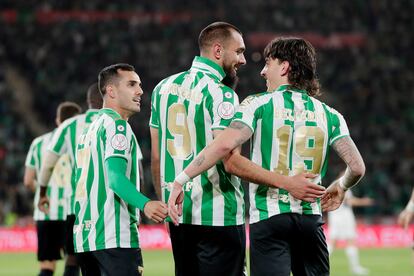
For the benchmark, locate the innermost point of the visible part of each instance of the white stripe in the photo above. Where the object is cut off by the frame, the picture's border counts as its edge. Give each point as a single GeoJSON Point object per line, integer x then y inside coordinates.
{"type": "Point", "coordinates": [208, 68]}
{"type": "Point", "coordinates": [256, 158]}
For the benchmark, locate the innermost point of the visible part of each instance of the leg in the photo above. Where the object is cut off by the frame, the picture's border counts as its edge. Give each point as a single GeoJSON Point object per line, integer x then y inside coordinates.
{"type": "Point", "coordinates": [310, 255]}
{"type": "Point", "coordinates": [49, 245]}
{"type": "Point", "coordinates": [270, 246]}
{"type": "Point", "coordinates": [221, 250]}
{"type": "Point", "coordinates": [184, 249]}
{"type": "Point", "coordinates": [120, 261]}
{"type": "Point", "coordinates": [71, 264]}
{"type": "Point", "coordinates": [88, 264]}
{"type": "Point", "coordinates": [352, 253]}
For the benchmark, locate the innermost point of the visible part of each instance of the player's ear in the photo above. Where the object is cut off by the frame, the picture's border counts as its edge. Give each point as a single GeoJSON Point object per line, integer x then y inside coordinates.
{"type": "Point", "coordinates": [284, 69]}
{"type": "Point", "coordinates": [217, 50]}
{"type": "Point", "coordinates": [110, 90]}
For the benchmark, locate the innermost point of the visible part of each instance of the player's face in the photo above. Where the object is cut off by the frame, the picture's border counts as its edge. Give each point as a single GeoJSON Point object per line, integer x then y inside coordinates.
{"type": "Point", "coordinates": [271, 72]}
{"type": "Point", "coordinates": [129, 92]}
{"type": "Point", "coordinates": [233, 55]}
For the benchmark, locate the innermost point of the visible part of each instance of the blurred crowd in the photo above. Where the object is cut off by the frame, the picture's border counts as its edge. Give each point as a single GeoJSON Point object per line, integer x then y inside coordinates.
{"type": "Point", "coordinates": [59, 48]}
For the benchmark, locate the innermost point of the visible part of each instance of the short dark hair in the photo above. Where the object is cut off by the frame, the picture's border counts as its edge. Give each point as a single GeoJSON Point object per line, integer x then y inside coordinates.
{"type": "Point", "coordinates": [215, 31]}
{"type": "Point", "coordinates": [94, 97]}
{"type": "Point", "coordinates": [301, 56]}
{"type": "Point", "coordinates": [67, 110]}
{"type": "Point", "coordinates": [110, 74]}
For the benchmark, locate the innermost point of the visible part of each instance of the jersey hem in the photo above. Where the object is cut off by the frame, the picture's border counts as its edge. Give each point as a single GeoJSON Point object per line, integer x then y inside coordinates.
{"type": "Point", "coordinates": [336, 138]}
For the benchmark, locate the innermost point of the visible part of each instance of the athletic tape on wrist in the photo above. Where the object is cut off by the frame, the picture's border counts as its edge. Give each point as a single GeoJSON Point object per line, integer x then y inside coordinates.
{"type": "Point", "coordinates": [182, 178]}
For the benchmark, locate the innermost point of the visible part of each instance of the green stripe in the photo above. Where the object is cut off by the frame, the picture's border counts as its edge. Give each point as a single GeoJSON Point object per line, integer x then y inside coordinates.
{"type": "Point", "coordinates": [58, 146]}
{"type": "Point", "coordinates": [61, 209]}
{"type": "Point", "coordinates": [133, 177]}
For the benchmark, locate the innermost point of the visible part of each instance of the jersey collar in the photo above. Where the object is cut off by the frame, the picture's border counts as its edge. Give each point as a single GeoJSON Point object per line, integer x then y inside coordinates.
{"type": "Point", "coordinates": [288, 87]}
{"type": "Point", "coordinates": [110, 112]}
{"type": "Point", "coordinates": [208, 66]}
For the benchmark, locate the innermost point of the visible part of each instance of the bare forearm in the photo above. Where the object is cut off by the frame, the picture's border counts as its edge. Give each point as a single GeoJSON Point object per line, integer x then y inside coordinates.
{"type": "Point", "coordinates": [155, 170]}
{"type": "Point", "coordinates": [349, 153]}
{"type": "Point", "coordinates": [49, 161]}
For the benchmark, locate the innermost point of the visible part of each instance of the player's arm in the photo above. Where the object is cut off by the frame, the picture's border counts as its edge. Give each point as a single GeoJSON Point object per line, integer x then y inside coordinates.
{"type": "Point", "coordinates": [407, 214]}
{"type": "Point", "coordinates": [155, 162]}
{"type": "Point", "coordinates": [29, 179]}
{"type": "Point", "coordinates": [48, 164]}
{"type": "Point", "coordinates": [359, 201]}
{"type": "Point", "coordinates": [118, 182]}
{"type": "Point", "coordinates": [355, 170]}
{"type": "Point", "coordinates": [298, 186]}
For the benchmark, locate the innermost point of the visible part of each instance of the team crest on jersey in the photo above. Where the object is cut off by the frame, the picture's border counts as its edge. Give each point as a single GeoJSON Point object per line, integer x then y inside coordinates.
{"type": "Point", "coordinates": [119, 142]}
{"type": "Point", "coordinates": [226, 110]}
{"type": "Point", "coordinates": [120, 128]}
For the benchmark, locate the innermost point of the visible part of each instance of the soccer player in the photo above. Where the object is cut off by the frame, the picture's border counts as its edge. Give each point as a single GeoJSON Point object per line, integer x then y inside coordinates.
{"type": "Point", "coordinates": [292, 132]}
{"type": "Point", "coordinates": [188, 110]}
{"type": "Point", "coordinates": [64, 142]}
{"type": "Point", "coordinates": [107, 181]}
{"type": "Point", "coordinates": [342, 226]}
{"type": "Point", "coordinates": [51, 225]}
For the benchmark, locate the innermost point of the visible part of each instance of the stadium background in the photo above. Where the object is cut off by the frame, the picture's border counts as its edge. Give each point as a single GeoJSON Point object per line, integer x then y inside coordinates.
{"type": "Point", "coordinates": [51, 51]}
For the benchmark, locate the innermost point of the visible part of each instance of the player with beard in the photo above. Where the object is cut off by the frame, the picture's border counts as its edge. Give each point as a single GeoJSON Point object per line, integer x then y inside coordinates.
{"type": "Point", "coordinates": [188, 110]}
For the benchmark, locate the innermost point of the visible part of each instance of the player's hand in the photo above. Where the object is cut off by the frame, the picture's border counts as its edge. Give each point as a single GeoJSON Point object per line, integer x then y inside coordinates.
{"type": "Point", "coordinates": [175, 202]}
{"type": "Point", "coordinates": [43, 204]}
{"type": "Point", "coordinates": [156, 210]}
{"type": "Point", "coordinates": [405, 218]}
{"type": "Point", "coordinates": [300, 187]}
{"type": "Point", "coordinates": [333, 197]}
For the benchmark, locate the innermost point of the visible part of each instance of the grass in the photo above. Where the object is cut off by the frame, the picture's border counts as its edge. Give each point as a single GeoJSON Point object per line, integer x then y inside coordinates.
{"type": "Point", "coordinates": [380, 262]}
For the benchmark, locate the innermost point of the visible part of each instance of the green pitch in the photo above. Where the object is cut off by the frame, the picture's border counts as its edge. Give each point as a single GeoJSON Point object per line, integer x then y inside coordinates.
{"type": "Point", "coordinates": [381, 262]}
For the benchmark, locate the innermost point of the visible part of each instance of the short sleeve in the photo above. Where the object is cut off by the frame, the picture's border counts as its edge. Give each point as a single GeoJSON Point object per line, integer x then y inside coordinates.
{"type": "Point", "coordinates": [247, 112]}
{"type": "Point", "coordinates": [58, 142]}
{"type": "Point", "coordinates": [339, 126]}
{"type": "Point", "coordinates": [30, 158]}
{"type": "Point", "coordinates": [154, 118]}
{"type": "Point", "coordinates": [223, 105]}
{"type": "Point", "coordinates": [118, 140]}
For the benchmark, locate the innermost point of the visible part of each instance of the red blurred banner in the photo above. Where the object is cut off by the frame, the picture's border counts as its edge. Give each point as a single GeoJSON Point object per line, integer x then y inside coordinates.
{"type": "Point", "coordinates": [156, 237]}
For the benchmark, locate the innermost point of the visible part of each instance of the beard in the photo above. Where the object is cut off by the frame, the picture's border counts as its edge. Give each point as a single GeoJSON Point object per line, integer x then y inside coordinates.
{"type": "Point", "coordinates": [231, 79]}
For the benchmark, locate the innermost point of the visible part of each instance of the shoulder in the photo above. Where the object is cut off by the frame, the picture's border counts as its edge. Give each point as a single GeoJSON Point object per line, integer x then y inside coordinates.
{"type": "Point", "coordinates": [169, 80]}
{"type": "Point", "coordinates": [257, 99]}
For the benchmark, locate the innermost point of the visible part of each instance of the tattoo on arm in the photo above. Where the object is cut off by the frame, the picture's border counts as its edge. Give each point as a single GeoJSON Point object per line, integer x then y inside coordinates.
{"type": "Point", "coordinates": [199, 160]}
{"type": "Point", "coordinates": [348, 152]}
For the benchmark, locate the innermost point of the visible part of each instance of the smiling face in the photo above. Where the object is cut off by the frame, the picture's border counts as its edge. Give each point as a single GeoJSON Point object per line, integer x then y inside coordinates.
{"type": "Point", "coordinates": [275, 73]}
{"type": "Point", "coordinates": [233, 54]}
{"type": "Point", "coordinates": [128, 92]}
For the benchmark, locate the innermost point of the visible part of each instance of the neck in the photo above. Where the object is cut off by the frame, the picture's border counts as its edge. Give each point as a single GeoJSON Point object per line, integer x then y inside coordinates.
{"type": "Point", "coordinates": [212, 58]}
{"type": "Point", "coordinates": [122, 112]}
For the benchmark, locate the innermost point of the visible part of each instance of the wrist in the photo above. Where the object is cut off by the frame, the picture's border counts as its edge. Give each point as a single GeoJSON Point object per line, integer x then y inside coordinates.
{"type": "Point", "coordinates": [342, 184]}
{"type": "Point", "coordinates": [182, 178]}
{"type": "Point", "coordinates": [410, 206]}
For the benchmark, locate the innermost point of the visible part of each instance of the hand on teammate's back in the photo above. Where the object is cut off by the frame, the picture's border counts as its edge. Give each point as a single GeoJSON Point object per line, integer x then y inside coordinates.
{"type": "Point", "coordinates": [333, 197]}
{"type": "Point", "coordinates": [156, 210]}
{"type": "Point", "coordinates": [43, 204]}
{"type": "Point", "coordinates": [300, 187]}
{"type": "Point", "coordinates": [175, 202]}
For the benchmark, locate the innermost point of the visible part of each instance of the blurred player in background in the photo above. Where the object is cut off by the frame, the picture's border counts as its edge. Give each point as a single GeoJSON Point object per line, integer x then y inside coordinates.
{"type": "Point", "coordinates": [406, 216]}
{"type": "Point", "coordinates": [50, 225]}
{"type": "Point", "coordinates": [64, 142]}
{"type": "Point", "coordinates": [292, 133]}
{"type": "Point", "coordinates": [108, 194]}
{"type": "Point", "coordinates": [342, 226]}
{"type": "Point", "coordinates": [188, 110]}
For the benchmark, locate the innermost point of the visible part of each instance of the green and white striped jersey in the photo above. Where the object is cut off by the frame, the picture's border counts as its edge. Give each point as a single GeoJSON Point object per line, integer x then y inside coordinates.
{"type": "Point", "coordinates": [185, 109]}
{"type": "Point", "coordinates": [292, 134]}
{"type": "Point", "coordinates": [103, 220]}
{"type": "Point", "coordinates": [60, 177]}
{"type": "Point", "coordinates": [64, 141]}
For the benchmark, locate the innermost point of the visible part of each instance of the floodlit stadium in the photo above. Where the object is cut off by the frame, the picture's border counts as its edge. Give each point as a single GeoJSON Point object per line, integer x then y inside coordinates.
{"type": "Point", "coordinates": [52, 51]}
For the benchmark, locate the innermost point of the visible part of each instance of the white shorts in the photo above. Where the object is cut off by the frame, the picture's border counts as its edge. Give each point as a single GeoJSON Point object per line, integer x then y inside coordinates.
{"type": "Point", "coordinates": [341, 225]}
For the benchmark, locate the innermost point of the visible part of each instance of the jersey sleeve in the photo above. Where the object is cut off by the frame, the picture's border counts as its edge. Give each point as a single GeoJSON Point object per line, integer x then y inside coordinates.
{"type": "Point", "coordinates": [338, 126]}
{"type": "Point", "coordinates": [30, 158]}
{"type": "Point", "coordinates": [118, 140]}
{"type": "Point", "coordinates": [222, 106]}
{"type": "Point", "coordinates": [58, 142]}
{"type": "Point", "coordinates": [247, 112]}
{"type": "Point", "coordinates": [154, 119]}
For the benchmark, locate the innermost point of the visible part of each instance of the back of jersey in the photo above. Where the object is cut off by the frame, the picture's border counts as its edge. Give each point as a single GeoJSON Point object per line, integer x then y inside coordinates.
{"type": "Point", "coordinates": [292, 134]}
